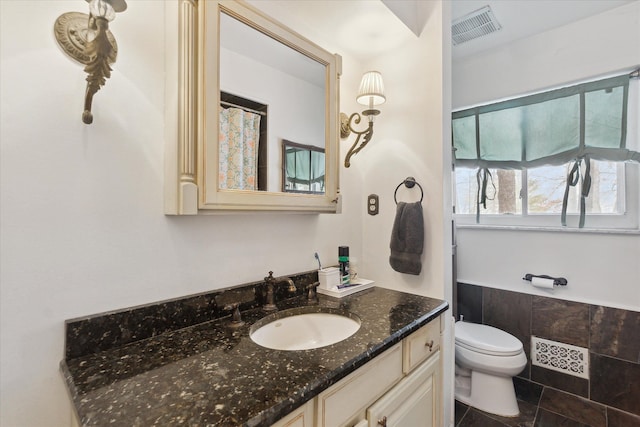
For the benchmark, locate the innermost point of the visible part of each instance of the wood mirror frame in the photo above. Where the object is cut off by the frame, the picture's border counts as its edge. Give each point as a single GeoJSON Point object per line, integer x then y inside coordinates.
{"type": "Point", "coordinates": [192, 151]}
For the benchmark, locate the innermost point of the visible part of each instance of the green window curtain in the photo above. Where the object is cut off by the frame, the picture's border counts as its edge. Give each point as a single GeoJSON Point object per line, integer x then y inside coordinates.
{"type": "Point", "coordinates": [603, 112]}
{"type": "Point", "coordinates": [571, 124]}
{"type": "Point", "coordinates": [464, 138]}
{"type": "Point", "coordinates": [304, 169]}
{"type": "Point", "coordinates": [317, 171]}
{"type": "Point", "coordinates": [297, 169]}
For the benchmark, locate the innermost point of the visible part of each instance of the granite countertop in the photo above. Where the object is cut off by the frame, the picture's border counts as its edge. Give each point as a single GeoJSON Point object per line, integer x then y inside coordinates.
{"type": "Point", "coordinates": [209, 374]}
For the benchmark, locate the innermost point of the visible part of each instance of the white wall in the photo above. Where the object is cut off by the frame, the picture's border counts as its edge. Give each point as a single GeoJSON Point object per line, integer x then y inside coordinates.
{"type": "Point", "coordinates": [595, 46]}
{"type": "Point", "coordinates": [81, 208]}
{"type": "Point", "coordinates": [601, 268]}
{"type": "Point", "coordinates": [408, 141]}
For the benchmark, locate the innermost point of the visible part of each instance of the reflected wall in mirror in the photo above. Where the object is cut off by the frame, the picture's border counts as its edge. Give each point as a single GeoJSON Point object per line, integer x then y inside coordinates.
{"type": "Point", "coordinates": [230, 52]}
{"type": "Point", "coordinates": [266, 72]}
{"type": "Point", "coordinates": [303, 168]}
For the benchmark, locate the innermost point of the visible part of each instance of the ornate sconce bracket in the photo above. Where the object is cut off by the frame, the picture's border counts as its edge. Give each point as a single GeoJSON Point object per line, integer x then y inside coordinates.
{"type": "Point", "coordinates": [346, 128]}
{"type": "Point", "coordinates": [87, 40]}
{"type": "Point", "coordinates": [71, 30]}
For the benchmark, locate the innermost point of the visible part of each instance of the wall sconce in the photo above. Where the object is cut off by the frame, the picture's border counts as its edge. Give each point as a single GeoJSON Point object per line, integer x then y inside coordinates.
{"type": "Point", "coordinates": [87, 40]}
{"type": "Point", "coordinates": [371, 93]}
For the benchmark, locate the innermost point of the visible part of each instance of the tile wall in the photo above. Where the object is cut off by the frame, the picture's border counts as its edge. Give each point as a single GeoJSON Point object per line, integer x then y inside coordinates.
{"type": "Point", "coordinates": [611, 395]}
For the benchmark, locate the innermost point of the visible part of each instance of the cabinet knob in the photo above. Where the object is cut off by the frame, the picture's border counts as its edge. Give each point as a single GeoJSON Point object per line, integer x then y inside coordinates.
{"type": "Point", "coordinates": [382, 421]}
{"type": "Point", "coordinates": [429, 344]}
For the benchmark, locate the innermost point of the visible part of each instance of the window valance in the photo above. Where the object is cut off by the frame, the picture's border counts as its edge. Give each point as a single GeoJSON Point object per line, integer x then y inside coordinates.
{"type": "Point", "coordinates": [571, 124]}
{"type": "Point", "coordinates": [548, 128]}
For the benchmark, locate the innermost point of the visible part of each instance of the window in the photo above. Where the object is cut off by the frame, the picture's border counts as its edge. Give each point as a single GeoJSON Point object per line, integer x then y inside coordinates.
{"type": "Point", "coordinates": [551, 159]}
{"type": "Point", "coordinates": [303, 168]}
{"type": "Point", "coordinates": [539, 203]}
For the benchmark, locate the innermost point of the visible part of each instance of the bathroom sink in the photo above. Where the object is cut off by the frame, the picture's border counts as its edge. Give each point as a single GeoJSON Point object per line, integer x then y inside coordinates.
{"type": "Point", "coordinates": [304, 329]}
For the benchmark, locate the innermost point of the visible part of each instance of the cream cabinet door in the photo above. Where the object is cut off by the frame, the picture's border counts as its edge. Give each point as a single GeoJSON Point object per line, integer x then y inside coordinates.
{"type": "Point", "coordinates": [344, 404]}
{"type": "Point", "coordinates": [301, 417]}
{"type": "Point", "coordinates": [74, 419]}
{"type": "Point", "coordinates": [415, 401]}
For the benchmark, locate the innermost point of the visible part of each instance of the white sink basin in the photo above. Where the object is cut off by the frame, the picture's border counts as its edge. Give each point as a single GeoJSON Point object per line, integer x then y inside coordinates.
{"type": "Point", "coordinates": [303, 331]}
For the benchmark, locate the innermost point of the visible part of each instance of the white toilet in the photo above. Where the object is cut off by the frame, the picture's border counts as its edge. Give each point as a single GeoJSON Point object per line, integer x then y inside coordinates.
{"type": "Point", "coordinates": [487, 358]}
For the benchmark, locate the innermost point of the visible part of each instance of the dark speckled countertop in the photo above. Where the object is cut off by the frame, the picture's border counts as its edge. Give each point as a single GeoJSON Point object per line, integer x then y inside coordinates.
{"type": "Point", "coordinates": [208, 375]}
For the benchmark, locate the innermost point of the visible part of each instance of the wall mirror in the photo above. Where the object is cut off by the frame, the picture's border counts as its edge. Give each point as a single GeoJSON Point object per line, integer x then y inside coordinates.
{"type": "Point", "coordinates": [248, 85]}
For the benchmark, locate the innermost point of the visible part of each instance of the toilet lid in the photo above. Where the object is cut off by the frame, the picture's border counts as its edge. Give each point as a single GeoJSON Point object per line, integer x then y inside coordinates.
{"type": "Point", "coordinates": [486, 339]}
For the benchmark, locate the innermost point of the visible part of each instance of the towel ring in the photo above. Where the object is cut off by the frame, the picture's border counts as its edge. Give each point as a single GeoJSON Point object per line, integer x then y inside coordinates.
{"type": "Point", "coordinates": [410, 182]}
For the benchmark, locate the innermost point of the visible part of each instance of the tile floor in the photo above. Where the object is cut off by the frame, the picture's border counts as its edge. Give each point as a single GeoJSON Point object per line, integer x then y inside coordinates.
{"type": "Point", "coordinates": [535, 415]}
{"type": "Point", "coordinates": [470, 417]}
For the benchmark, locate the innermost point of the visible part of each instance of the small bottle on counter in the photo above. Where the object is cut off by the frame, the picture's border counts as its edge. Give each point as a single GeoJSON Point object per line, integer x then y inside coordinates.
{"type": "Point", "coordinates": [343, 259]}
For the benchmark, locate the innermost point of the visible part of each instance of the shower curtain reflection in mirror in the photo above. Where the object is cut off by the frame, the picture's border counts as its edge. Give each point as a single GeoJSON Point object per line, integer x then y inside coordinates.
{"type": "Point", "coordinates": [238, 161]}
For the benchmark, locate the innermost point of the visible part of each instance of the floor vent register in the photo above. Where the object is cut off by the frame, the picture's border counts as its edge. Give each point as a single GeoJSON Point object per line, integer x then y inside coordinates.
{"type": "Point", "coordinates": [560, 357]}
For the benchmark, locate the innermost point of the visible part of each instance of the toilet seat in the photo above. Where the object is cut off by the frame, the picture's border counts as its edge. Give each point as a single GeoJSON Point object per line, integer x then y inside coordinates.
{"type": "Point", "coordinates": [486, 339]}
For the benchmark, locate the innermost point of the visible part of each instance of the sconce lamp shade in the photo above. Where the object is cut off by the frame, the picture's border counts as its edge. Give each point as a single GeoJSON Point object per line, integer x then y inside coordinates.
{"type": "Point", "coordinates": [371, 90]}
{"type": "Point", "coordinates": [371, 93]}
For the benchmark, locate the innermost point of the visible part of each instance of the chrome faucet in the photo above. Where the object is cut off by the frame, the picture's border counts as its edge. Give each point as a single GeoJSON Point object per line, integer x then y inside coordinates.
{"type": "Point", "coordinates": [271, 282]}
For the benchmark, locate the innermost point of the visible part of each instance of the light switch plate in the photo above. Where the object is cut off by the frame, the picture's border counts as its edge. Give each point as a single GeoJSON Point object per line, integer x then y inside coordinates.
{"type": "Point", "coordinates": [372, 204]}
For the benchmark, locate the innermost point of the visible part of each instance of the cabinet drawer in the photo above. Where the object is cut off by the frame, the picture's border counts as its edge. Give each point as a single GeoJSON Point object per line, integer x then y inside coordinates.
{"type": "Point", "coordinates": [347, 400]}
{"type": "Point", "coordinates": [420, 345]}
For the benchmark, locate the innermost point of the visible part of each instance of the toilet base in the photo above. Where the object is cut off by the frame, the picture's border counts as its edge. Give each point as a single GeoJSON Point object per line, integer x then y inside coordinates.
{"type": "Point", "coordinates": [489, 393]}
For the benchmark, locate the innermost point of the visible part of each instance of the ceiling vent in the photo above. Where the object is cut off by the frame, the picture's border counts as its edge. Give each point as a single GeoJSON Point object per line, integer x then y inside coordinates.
{"type": "Point", "coordinates": [475, 24]}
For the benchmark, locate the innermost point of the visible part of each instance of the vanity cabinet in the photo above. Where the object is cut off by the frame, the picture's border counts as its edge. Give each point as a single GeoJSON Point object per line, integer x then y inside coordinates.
{"type": "Point", "coordinates": [301, 417]}
{"type": "Point", "coordinates": [401, 387]}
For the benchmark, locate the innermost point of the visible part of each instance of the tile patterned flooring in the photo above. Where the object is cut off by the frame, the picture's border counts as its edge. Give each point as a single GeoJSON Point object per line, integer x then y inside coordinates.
{"type": "Point", "coordinates": [532, 415]}
{"type": "Point", "coordinates": [467, 416]}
